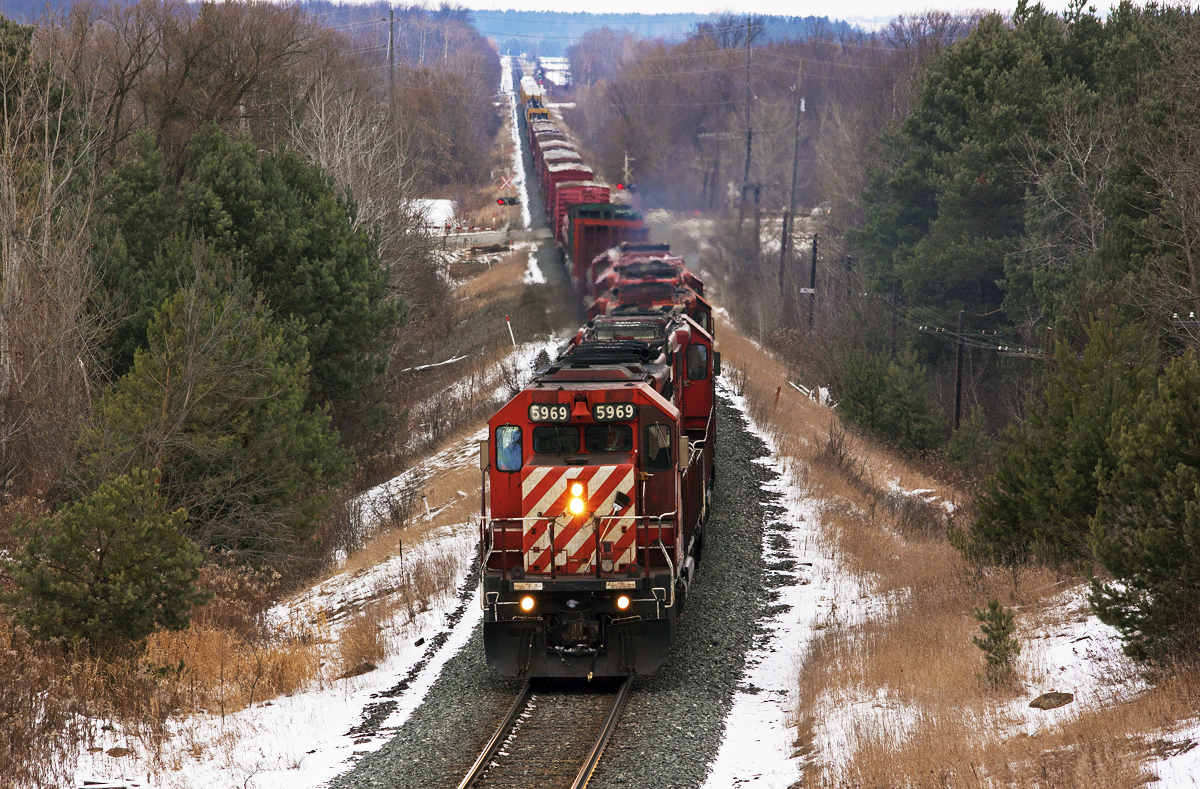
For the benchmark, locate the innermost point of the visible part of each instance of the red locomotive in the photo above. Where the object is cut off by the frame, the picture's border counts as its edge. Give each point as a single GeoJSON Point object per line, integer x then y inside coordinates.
{"type": "Point", "coordinates": [600, 474]}
{"type": "Point", "coordinates": [645, 277]}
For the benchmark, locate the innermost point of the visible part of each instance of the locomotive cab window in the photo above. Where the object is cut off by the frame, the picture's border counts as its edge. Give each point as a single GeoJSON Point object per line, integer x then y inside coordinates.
{"type": "Point", "coordinates": [702, 319]}
{"type": "Point", "coordinates": [608, 438]}
{"type": "Point", "coordinates": [658, 447]}
{"type": "Point", "coordinates": [508, 448]}
{"type": "Point", "coordinates": [555, 439]}
{"type": "Point", "coordinates": [697, 362]}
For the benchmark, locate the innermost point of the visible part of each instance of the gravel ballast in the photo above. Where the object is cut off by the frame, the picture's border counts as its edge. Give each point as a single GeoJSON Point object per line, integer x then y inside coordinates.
{"type": "Point", "coordinates": [673, 722]}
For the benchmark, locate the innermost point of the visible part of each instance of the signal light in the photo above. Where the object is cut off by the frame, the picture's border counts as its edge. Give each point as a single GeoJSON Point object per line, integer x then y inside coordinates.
{"type": "Point", "coordinates": [507, 201]}
{"type": "Point", "coordinates": [622, 602]}
{"type": "Point", "coordinates": [526, 603]}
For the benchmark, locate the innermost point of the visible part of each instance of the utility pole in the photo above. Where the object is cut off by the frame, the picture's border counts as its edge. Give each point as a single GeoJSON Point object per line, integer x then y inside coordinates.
{"type": "Point", "coordinates": [757, 222]}
{"type": "Point", "coordinates": [749, 131]}
{"type": "Point", "coordinates": [790, 211]}
{"type": "Point", "coordinates": [958, 373]}
{"type": "Point", "coordinates": [626, 170]}
{"type": "Point", "coordinates": [716, 137]}
{"type": "Point", "coordinates": [895, 312]}
{"type": "Point", "coordinates": [812, 283]}
{"type": "Point", "coordinates": [392, 58]}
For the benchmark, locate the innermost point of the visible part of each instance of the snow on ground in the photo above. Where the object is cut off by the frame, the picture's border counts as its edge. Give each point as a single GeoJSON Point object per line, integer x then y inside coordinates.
{"type": "Point", "coordinates": [757, 746]}
{"type": "Point", "coordinates": [437, 213]}
{"type": "Point", "coordinates": [303, 740]}
{"type": "Point", "coordinates": [506, 86]}
{"type": "Point", "coordinates": [533, 272]}
{"type": "Point", "coordinates": [1182, 768]}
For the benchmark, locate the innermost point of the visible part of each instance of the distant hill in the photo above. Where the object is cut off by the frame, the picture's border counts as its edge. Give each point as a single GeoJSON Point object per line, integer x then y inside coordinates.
{"type": "Point", "coordinates": [549, 33]}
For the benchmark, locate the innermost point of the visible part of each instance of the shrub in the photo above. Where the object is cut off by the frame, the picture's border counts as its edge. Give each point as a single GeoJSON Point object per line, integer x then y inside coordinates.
{"type": "Point", "coordinates": [998, 643]}
{"type": "Point", "coordinates": [110, 568]}
{"type": "Point", "coordinates": [891, 399]}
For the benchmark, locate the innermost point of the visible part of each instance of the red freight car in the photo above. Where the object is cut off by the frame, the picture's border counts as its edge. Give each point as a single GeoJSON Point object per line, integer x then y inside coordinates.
{"type": "Point", "coordinates": [592, 228]}
{"type": "Point", "coordinates": [570, 193]}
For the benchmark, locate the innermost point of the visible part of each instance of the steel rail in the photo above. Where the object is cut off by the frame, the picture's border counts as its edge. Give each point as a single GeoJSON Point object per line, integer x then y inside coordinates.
{"type": "Point", "coordinates": [498, 738]}
{"type": "Point", "coordinates": [610, 724]}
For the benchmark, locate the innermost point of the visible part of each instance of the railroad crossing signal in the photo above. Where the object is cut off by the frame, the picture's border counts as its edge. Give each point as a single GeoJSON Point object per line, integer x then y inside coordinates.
{"type": "Point", "coordinates": [508, 201]}
{"type": "Point", "coordinates": [507, 182]}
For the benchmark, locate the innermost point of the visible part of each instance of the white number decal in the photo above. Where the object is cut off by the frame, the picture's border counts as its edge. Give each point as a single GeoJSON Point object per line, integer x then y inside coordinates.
{"type": "Point", "coordinates": [548, 413]}
{"type": "Point", "coordinates": [621, 412]}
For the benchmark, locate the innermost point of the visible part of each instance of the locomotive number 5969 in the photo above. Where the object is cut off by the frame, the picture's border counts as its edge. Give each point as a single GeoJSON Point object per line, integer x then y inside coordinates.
{"type": "Point", "coordinates": [614, 412]}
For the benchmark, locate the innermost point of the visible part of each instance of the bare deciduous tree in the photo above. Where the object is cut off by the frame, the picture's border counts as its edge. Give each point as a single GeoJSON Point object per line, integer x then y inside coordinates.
{"type": "Point", "coordinates": [46, 333]}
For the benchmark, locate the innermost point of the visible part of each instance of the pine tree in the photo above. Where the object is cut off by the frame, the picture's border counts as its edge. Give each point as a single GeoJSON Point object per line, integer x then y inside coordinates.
{"type": "Point", "coordinates": [1046, 487]}
{"type": "Point", "coordinates": [298, 242]}
{"type": "Point", "coordinates": [110, 568]}
{"type": "Point", "coordinates": [998, 644]}
{"type": "Point", "coordinates": [1147, 527]}
{"type": "Point", "coordinates": [216, 403]}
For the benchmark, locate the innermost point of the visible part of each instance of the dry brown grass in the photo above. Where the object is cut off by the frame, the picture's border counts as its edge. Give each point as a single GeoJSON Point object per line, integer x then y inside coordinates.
{"type": "Point", "coordinates": [907, 681]}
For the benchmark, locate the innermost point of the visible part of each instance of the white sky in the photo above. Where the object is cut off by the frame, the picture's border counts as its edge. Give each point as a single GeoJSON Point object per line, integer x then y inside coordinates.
{"type": "Point", "coordinates": [865, 12]}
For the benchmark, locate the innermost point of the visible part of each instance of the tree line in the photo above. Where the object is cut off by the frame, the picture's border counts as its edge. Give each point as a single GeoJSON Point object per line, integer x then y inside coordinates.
{"type": "Point", "coordinates": [210, 260]}
{"type": "Point", "coordinates": [1009, 202]}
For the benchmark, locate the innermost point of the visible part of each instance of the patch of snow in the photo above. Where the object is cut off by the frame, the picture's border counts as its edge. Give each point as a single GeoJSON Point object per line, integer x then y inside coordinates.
{"type": "Point", "coordinates": [757, 746]}
{"type": "Point", "coordinates": [506, 79]}
{"type": "Point", "coordinates": [437, 213]}
{"type": "Point", "coordinates": [303, 740]}
{"type": "Point", "coordinates": [1181, 768]}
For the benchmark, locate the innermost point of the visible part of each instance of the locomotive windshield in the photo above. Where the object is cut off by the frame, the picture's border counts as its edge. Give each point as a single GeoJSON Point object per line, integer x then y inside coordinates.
{"type": "Point", "coordinates": [554, 439]}
{"type": "Point", "coordinates": [508, 448]}
{"type": "Point", "coordinates": [697, 362]}
{"type": "Point", "coordinates": [658, 447]}
{"type": "Point", "coordinates": [608, 438]}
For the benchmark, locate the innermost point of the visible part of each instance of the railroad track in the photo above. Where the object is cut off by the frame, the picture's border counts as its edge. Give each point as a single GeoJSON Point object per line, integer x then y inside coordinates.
{"type": "Point", "coordinates": [553, 736]}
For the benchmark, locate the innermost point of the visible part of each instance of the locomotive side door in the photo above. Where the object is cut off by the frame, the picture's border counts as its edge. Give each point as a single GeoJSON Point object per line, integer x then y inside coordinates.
{"type": "Point", "coordinates": [657, 445]}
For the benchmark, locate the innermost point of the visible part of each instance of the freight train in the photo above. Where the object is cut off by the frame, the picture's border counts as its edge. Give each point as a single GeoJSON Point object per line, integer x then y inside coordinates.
{"type": "Point", "coordinates": [600, 471]}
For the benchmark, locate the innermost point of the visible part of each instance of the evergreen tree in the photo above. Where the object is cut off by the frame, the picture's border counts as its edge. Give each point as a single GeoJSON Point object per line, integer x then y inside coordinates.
{"type": "Point", "coordinates": [1147, 526]}
{"type": "Point", "coordinates": [908, 415]}
{"type": "Point", "coordinates": [945, 213]}
{"type": "Point", "coordinates": [216, 403]}
{"type": "Point", "coordinates": [890, 399]}
{"type": "Point", "coordinates": [298, 242]}
{"type": "Point", "coordinates": [997, 624]}
{"type": "Point", "coordinates": [110, 568]}
{"type": "Point", "coordinates": [1046, 487]}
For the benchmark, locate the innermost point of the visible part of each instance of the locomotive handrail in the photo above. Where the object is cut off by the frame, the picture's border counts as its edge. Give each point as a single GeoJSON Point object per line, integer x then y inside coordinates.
{"type": "Point", "coordinates": [642, 521]}
{"type": "Point", "coordinates": [671, 566]}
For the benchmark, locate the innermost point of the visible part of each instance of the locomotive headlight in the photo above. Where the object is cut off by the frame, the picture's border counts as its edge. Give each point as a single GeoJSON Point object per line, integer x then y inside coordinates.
{"type": "Point", "coordinates": [577, 489]}
{"type": "Point", "coordinates": [526, 603]}
{"type": "Point", "coordinates": [622, 602]}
